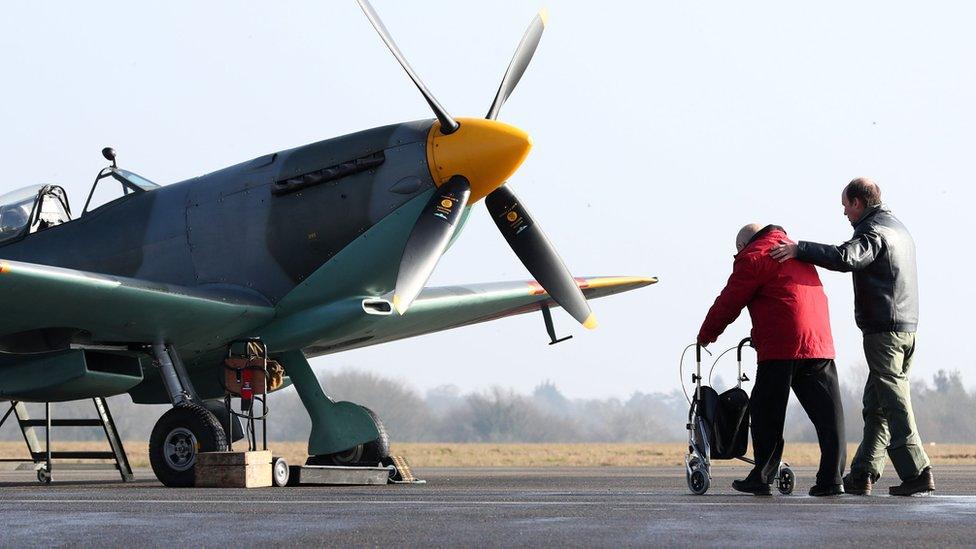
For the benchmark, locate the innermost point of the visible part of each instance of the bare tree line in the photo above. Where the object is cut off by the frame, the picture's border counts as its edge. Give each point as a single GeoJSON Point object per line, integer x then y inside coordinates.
{"type": "Point", "coordinates": [944, 408]}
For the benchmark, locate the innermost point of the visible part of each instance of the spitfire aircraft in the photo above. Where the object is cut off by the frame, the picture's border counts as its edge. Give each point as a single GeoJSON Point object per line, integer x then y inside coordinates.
{"type": "Point", "coordinates": [315, 250]}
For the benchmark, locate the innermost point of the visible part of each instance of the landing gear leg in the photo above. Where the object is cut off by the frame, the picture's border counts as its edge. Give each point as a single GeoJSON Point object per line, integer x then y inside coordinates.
{"type": "Point", "coordinates": [341, 431]}
{"type": "Point", "coordinates": [167, 371]}
{"type": "Point", "coordinates": [185, 430]}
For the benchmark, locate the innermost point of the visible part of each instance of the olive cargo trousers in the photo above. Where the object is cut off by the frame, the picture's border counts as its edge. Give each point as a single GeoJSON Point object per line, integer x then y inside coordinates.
{"type": "Point", "coordinates": [889, 422]}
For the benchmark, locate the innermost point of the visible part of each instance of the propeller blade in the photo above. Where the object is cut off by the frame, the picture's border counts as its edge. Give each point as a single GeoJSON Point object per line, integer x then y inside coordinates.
{"type": "Point", "coordinates": [526, 238]}
{"type": "Point", "coordinates": [448, 124]}
{"type": "Point", "coordinates": [516, 68]}
{"type": "Point", "coordinates": [428, 240]}
{"type": "Point", "coordinates": [537, 254]}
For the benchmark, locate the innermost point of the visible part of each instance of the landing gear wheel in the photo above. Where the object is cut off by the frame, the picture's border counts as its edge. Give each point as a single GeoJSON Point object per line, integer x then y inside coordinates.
{"type": "Point", "coordinates": [698, 482]}
{"type": "Point", "coordinates": [279, 471]}
{"type": "Point", "coordinates": [347, 458]}
{"type": "Point", "coordinates": [370, 453]}
{"type": "Point", "coordinates": [786, 481]}
{"type": "Point", "coordinates": [178, 437]}
{"type": "Point", "coordinates": [376, 451]}
{"type": "Point", "coordinates": [43, 476]}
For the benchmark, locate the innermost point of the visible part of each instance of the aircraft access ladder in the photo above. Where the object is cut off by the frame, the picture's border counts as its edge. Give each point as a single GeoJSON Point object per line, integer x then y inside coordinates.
{"type": "Point", "coordinates": [42, 457]}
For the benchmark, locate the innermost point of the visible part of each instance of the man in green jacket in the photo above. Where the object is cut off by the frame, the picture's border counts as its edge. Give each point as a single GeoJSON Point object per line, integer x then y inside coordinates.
{"type": "Point", "coordinates": [881, 255]}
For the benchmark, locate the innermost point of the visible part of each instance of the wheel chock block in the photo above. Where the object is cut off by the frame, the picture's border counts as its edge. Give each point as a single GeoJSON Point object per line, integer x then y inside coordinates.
{"type": "Point", "coordinates": [233, 469]}
{"type": "Point", "coordinates": [402, 473]}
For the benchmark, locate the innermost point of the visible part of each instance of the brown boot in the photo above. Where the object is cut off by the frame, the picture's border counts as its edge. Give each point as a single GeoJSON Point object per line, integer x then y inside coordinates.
{"type": "Point", "coordinates": [921, 484]}
{"type": "Point", "coordinates": [858, 485]}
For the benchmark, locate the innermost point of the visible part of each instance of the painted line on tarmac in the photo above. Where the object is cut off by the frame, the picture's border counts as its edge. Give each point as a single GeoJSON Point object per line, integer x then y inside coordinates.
{"type": "Point", "coordinates": [949, 499]}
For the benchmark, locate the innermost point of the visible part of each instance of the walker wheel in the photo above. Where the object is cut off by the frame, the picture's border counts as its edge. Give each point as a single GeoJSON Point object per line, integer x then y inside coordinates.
{"type": "Point", "coordinates": [43, 476]}
{"type": "Point", "coordinates": [698, 482]}
{"type": "Point", "coordinates": [786, 481]}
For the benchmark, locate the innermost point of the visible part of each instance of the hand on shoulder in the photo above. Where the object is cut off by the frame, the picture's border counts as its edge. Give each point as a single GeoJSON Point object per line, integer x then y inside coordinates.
{"type": "Point", "coordinates": [783, 251]}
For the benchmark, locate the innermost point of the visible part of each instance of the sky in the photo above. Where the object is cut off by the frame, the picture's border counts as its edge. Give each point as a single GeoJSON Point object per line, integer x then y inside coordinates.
{"type": "Point", "coordinates": [659, 129]}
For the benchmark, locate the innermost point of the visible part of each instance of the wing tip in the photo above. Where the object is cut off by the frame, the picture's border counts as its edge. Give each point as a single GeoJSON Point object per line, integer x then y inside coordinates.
{"type": "Point", "coordinates": [617, 281]}
{"type": "Point", "coordinates": [544, 15]}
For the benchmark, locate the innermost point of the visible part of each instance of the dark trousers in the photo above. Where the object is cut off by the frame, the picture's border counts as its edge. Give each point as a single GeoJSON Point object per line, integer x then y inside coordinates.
{"type": "Point", "coordinates": [815, 383]}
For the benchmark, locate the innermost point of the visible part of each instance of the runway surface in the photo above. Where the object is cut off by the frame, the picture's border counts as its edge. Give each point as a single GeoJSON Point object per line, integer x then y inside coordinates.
{"type": "Point", "coordinates": [484, 507]}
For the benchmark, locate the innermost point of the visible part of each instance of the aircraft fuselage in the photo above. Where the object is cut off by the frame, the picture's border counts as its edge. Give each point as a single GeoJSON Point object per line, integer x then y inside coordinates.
{"type": "Point", "coordinates": [261, 226]}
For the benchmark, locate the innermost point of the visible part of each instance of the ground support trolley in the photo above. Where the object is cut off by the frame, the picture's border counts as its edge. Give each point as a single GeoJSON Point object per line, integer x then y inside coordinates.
{"type": "Point", "coordinates": [249, 374]}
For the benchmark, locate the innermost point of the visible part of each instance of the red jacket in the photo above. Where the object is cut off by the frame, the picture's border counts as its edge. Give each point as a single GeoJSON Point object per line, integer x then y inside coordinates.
{"type": "Point", "coordinates": [790, 318]}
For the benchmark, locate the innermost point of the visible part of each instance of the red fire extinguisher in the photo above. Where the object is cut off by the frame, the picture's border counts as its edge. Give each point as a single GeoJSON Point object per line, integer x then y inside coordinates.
{"type": "Point", "coordinates": [247, 390]}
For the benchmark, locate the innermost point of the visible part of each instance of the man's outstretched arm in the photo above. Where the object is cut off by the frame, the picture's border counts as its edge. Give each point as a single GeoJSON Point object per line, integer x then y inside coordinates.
{"type": "Point", "coordinates": [743, 284]}
{"type": "Point", "coordinates": [853, 255]}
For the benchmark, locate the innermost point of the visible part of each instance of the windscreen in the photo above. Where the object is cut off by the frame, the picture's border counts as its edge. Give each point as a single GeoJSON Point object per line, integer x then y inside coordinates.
{"type": "Point", "coordinates": [15, 210]}
{"type": "Point", "coordinates": [137, 180]}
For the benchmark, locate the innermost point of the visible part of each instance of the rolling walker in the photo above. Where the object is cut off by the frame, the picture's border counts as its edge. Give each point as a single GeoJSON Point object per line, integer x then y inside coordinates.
{"type": "Point", "coordinates": [718, 427]}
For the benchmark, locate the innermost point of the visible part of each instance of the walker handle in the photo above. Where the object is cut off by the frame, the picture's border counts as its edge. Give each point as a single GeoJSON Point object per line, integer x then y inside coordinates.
{"type": "Point", "coordinates": [743, 343]}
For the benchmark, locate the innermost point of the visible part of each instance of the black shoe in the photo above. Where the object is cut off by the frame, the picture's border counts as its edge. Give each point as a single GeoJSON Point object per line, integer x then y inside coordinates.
{"type": "Point", "coordinates": [921, 484]}
{"type": "Point", "coordinates": [821, 490]}
{"type": "Point", "coordinates": [754, 487]}
{"type": "Point", "coordinates": [858, 485]}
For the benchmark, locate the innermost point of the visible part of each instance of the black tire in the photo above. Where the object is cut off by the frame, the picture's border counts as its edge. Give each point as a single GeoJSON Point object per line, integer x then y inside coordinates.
{"type": "Point", "coordinates": [279, 471]}
{"type": "Point", "coordinates": [178, 436]}
{"type": "Point", "coordinates": [698, 482]}
{"type": "Point", "coordinates": [376, 451]}
{"type": "Point", "coordinates": [786, 481]}
{"type": "Point", "coordinates": [370, 453]}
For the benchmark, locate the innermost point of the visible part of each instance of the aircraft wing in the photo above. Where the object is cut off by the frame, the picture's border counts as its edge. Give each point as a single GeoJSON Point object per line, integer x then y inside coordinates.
{"type": "Point", "coordinates": [443, 308]}
{"type": "Point", "coordinates": [40, 303]}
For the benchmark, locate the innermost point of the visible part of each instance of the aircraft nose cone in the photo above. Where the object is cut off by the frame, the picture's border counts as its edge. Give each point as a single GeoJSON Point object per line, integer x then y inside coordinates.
{"type": "Point", "coordinates": [486, 152]}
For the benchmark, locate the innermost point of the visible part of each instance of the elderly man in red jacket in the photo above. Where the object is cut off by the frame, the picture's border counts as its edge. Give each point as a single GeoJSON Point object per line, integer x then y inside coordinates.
{"type": "Point", "coordinates": [791, 335]}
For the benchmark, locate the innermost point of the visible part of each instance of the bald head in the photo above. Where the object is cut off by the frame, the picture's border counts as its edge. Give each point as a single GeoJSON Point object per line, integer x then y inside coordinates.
{"type": "Point", "coordinates": [745, 235]}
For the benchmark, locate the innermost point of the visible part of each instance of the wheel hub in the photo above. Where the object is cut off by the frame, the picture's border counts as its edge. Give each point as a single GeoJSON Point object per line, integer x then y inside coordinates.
{"type": "Point", "coordinates": [349, 457]}
{"type": "Point", "coordinates": [280, 470]}
{"type": "Point", "coordinates": [180, 449]}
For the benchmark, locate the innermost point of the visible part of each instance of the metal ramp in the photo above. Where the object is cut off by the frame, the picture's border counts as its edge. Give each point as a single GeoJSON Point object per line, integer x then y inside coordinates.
{"type": "Point", "coordinates": [391, 470]}
{"type": "Point", "coordinates": [42, 457]}
{"type": "Point", "coordinates": [336, 475]}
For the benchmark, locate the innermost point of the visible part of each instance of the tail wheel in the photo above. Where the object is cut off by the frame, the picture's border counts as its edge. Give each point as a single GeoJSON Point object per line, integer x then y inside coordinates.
{"type": "Point", "coordinates": [179, 435]}
{"type": "Point", "coordinates": [370, 453]}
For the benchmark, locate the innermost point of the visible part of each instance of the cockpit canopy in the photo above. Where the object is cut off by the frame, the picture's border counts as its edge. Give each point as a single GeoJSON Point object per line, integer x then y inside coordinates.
{"type": "Point", "coordinates": [31, 209]}
{"type": "Point", "coordinates": [36, 207]}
